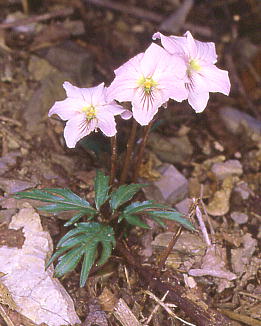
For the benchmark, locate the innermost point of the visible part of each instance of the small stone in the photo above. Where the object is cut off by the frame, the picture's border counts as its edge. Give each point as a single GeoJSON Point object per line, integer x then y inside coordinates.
{"type": "Point", "coordinates": [243, 190]}
{"type": "Point", "coordinates": [171, 149]}
{"type": "Point", "coordinates": [237, 122]}
{"type": "Point", "coordinates": [172, 184]}
{"type": "Point", "coordinates": [224, 169]}
{"type": "Point", "coordinates": [73, 60]}
{"type": "Point", "coordinates": [184, 206]}
{"type": "Point", "coordinates": [170, 188]}
{"type": "Point", "coordinates": [219, 204]}
{"type": "Point", "coordinates": [39, 68]}
{"type": "Point", "coordinates": [187, 243]}
{"type": "Point", "coordinates": [11, 186]}
{"type": "Point", "coordinates": [239, 218]}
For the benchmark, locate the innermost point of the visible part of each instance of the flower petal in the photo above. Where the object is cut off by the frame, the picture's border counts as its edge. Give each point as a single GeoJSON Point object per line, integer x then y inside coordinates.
{"type": "Point", "coordinates": [72, 91]}
{"type": "Point", "coordinates": [173, 44]}
{"type": "Point", "coordinates": [106, 123]}
{"type": "Point", "coordinates": [145, 106]}
{"type": "Point", "coordinates": [116, 109]}
{"type": "Point", "coordinates": [191, 45]}
{"type": "Point", "coordinates": [153, 57]}
{"type": "Point", "coordinates": [122, 88]}
{"type": "Point", "coordinates": [77, 128]}
{"type": "Point", "coordinates": [67, 108]}
{"type": "Point", "coordinates": [132, 66]}
{"type": "Point", "coordinates": [217, 79]}
{"type": "Point", "coordinates": [126, 115]}
{"type": "Point", "coordinates": [198, 101]}
{"type": "Point", "coordinates": [97, 94]}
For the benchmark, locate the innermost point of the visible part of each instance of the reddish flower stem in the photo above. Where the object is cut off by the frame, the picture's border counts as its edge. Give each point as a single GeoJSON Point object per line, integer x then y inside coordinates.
{"type": "Point", "coordinates": [167, 251]}
{"type": "Point", "coordinates": [130, 144]}
{"type": "Point", "coordinates": [113, 159]}
{"type": "Point", "coordinates": [141, 150]}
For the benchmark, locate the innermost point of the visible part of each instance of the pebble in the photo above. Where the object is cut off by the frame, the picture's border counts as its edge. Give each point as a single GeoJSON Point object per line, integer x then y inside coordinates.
{"type": "Point", "coordinates": [237, 121]}
{"type": "Point", "coordinates": [219, 204]}
{"type": "Point", "coordinates": [239, 218]}
{"type": "Point", "coordinates": [170, 188]}
{"type": "Point", "coordinates": [243, 190]}
{"type": "Point", "coordinates": [184, 206]}
{"type": "Point", "coordinates": [224, 169]}
{"type": "Point", "coordinates": [171, 149]}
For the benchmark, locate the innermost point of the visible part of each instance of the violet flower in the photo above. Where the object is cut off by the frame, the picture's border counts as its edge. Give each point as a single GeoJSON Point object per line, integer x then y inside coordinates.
{"type": "Point", "coordinates": [202, 75]}
{"type": "Point", "coordinates": [148, 80]}
{"type": "Point", "coordinates": [87, 109]}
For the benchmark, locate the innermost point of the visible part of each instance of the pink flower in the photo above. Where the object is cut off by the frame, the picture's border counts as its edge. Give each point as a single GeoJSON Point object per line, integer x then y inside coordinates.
{"type": "Point", "coordinates": [87, 109]}
{"type": "Point", "coordinates": [148, 80]}
{"type": "Point", "coordinates": [202, 74]}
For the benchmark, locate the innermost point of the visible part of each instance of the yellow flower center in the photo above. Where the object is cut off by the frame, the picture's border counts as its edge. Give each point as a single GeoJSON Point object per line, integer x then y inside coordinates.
{"type": "Point", "coordinates": [147, 83]}
{"type": "Point", "coordinates": [89, 111]}
{"type": "Point", "coordinates": [194, 65]}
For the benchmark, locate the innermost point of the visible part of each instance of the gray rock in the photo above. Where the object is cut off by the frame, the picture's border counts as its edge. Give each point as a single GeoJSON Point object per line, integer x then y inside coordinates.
{"type": "Point", "coordinates": [65, 62]}
{"type": "Point", "coordinates": [39, 68]}
{"type": "Point", "coordinates": [11, 186]}
{"type": "Point", "coordinates": [184, 206]}
{"type": "Point", "coordinates": [243, 190]}
{"type": "Point", "coordinates": [37, 295]}
{"type": "Point", "coordinates": [39, 104]}
{"type": "Point", "coordinates": [238, 122]}
{"type": "Point", "coordinates": [170, 188]}
{"type": "Point", "coordinates": [72, 59]}
{"type": "Point", "coordinates": [239, 218]}
{"type": "Point", "coordinates": [171, 149]}
{"type": "Point", "coordinates": [224, 169]}
{"type": "Point", "coordinates": [8, 161]}
{"type": "Point", "coordinates": [187, 243]}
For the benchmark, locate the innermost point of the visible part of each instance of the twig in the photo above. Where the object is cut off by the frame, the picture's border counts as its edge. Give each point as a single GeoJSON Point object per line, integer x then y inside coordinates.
{"type": "Point", "coordinates": [128, 154]}
{"type": "Point", "coordinates": [202, 225]}
{"type": "Point", "coordinates": [148, 15]}
{"type": "Point", "coordinates": [113, 159]}
{"type": "Point", "coordinates": [5, 317]}
{"type": "Point", "coordinates": [198, 311]}
{"type": "Point", "coordinates": [163, 305]}
{"type": "Point", "coordinates": [34, 19]}
{"type": "Point", "coordinates": [141, 150]}
{"type": "Point", "coordinates": [124, 315]}
{"type": "Point", "coordinates": [156, 308]}
{"type": "Point", "coordinates": [205, 210]}
{"type": "Point", "coordinates": [167, 251]}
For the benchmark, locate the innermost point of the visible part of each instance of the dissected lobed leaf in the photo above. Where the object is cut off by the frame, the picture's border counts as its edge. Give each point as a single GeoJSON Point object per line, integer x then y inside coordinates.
{"type": "Point", "coordinates": [101, 187]}
{"type": "Point", "coordinates": [173, 216]}
{"type": "Point", "coordinates": [155, 211]}
{"type": "Point", "coordinates": [123, 194]}
{"type": "Point", "coordinates": [83, 242]}
{"type": "Point", "coordinates": [62, 199]}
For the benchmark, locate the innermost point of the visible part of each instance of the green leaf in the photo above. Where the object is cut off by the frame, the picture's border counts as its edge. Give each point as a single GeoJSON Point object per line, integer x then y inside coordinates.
{"type": "Point", "coordinates": [101, 187]}
{"type": "Point", "coordinates": [68, 261]}
{"type": "Point", "coordinates": [135, 220]}
{"type": "Point", "coordinates": [83, 242]}
{"type": "Point", "coordinates": [173, 216]}
{"type": "Point", "coordinates": [62, 199]}
{"type": "Point", "coordinates": [123, 194]}
{"type": "Point", "coordinates": [88, 260]}
{"type": "Point", "coordinates": [75, 218]}
{"type": "Point", "coordinates": [138, 206]}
